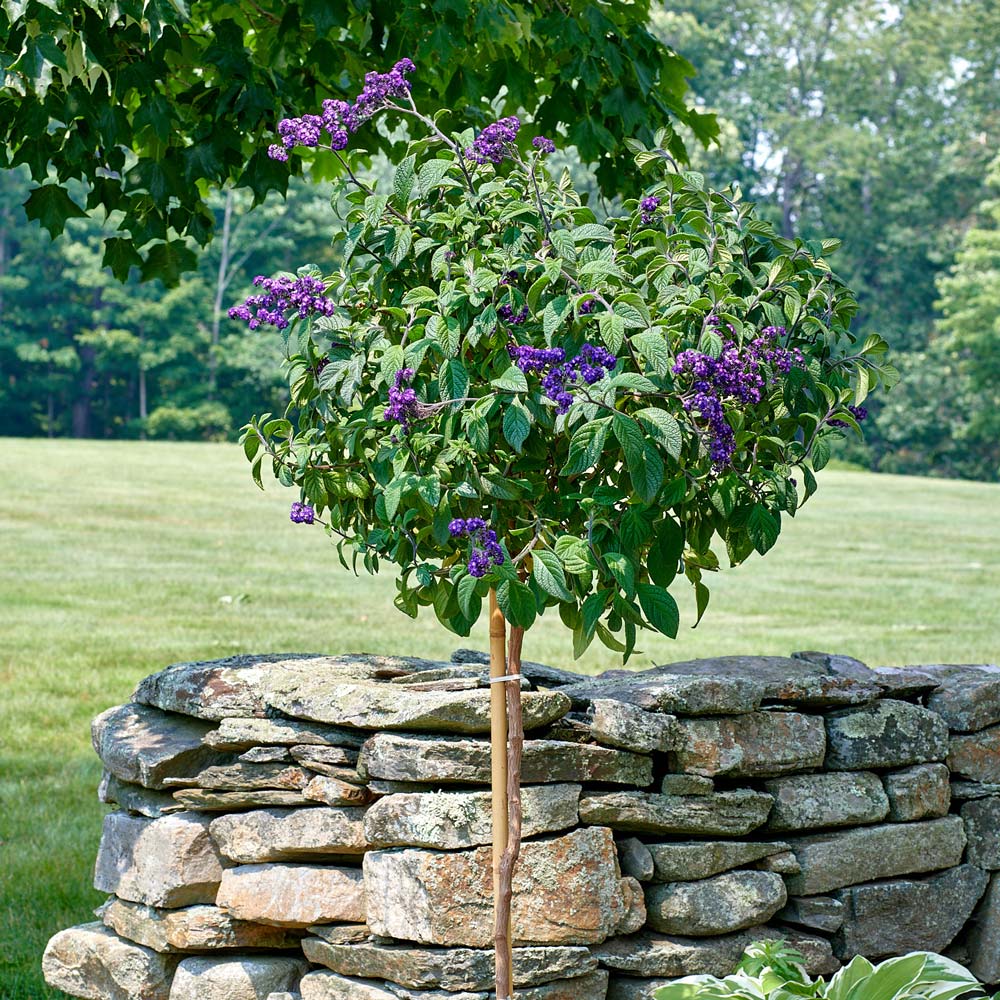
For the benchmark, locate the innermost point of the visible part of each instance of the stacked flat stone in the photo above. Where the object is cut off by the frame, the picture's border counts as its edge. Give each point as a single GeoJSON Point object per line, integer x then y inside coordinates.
{"type": "Point", "coordinates": [318, 828]}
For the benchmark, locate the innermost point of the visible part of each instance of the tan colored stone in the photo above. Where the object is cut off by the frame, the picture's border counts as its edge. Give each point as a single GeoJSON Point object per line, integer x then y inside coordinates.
{"type": "Point", "coordinates": [205, 800]}
{"type": "Point", "coordinates": [293, 895]}
{"type": "Point", "coordinates": [92, 962]}
{"type": "Point", "coordinates": [289, 834]}
{"type": "Point", "coordinates": [567, 890]}
{"type": "Point", "coordinates": [135, 798]}
{"type": "Point", "coordinates": [244, 734]}
{"type": "Point", "coordinates": [628, 727]}
{"type": "Point", "coordinates": [726, 814]}
{"type": "Point", "coordinates": [168, 862]}
{"type": "Point", "coordinates": [192, 928]}
{"type": "Point", "coordinates": [243, 776]}
{"type": "Point", "coordinates": [334, 792]}
{"type": "Point", "coordinates": [243, 977]}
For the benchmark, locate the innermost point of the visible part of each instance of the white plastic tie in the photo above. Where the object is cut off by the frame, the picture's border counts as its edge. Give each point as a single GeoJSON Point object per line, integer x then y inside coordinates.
{"type": "Point", "coordinates": [504, 680]}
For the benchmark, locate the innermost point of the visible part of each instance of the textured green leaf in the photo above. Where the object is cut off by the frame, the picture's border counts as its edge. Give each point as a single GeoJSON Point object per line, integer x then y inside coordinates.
{"type": "Point", "coordinates": [51, 206]}
{"type": "Point", "coordinates": [547, 569]}
{"type": "Point", "coordinates": [586, 446]}
{"type": "Point", "coordinates": [763, 528]}
{"type": "Point", "coordinates": [517, 603]}
{"type": "Point", "coordinates": [662, 428]}
{"type": "Point", "coordinates": [516, 423]}
{"type": "Point", "coordinates": [623, 570]}
{"type": "Point", "coordinates": [660, 609]}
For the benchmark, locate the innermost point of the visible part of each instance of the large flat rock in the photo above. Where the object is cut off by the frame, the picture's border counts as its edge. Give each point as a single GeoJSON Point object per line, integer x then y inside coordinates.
{"type": "Point", "coordinates": [919, 792]}
{"type": "Point", "coordinates": [984, 935]}
{"type": "Point", "coordinates": [190, 929]}
{"type": "Point", "coordinates": [968, 695]}
{"type": "Point", "coordinates": [208, 800]}
{"type": "Point", "coordinates": [241, 977]}
{"type": "Point", "coordinates": [976, 756]}
{"type": "Point", "coordinates": [567, 890]}
{"type": "Point", "coordinates": [455, 820]}
{"type": "Point", "coordinates": [301, 691]}
{"type": "Point", "coordinates": [619, 724]}
{"type": "Point", "coordinates": [243, 776]}
{"type": "Point", "coordinates": [685, 861]}
{"type": "Point", "coordinates": [444, 760]}
{"type": "Point", "coordinates": [886, 733]}
{"type": "Point", "coordinates": [813, 801]}
{"type": "Point", "coordinates": [144, 746]}
{"type": "Point", "coordinates": [982, 827]}
{"type": "Point", "coordinates": [290, 834]}
{"type": "Point", "coordinates": [730, 814]}
{"type": "Point", "coordinates": [537, 673]}
{"type": "Point", "coordinates": [168, 862]}
{"type": "Point", "coordinates": [756, 744]}
{"type": "Point", "coordinates": [821, 913]}
{"type": "Point", "coordinates": [92, 962]}
{"type": "Point", "coordinates": [287, 895]}
{"type": "Point", "coordinates": [900, 916]}
{"type": "Point", "coordinates": [451, 969]}
{"type": "Point", "coordinates": [848, 857]}
{"type": "Point", "coordinates": [136, 799]}
{"type": "Point", "coordinates": [242, 734]}
{"type": "Point", "coordinates": [718, 905]}
{"type": "Point", "coordinates": [649, 954]}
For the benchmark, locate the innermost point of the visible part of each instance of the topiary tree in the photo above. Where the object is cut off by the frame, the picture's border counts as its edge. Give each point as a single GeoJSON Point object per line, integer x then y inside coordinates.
{"type": "Point", "coordinates": [516, 403]}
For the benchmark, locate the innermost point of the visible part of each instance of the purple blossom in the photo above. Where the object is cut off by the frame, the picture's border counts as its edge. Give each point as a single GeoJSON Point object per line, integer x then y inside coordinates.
{"type": "Point", "coordinates": [589, 306]}
{"type": "Point", "coordinates": [340, 119]}
{"type": "Point", "coordinates": [305, 295]}
{"type": "Point", "coordinates": [648, 207]}
{"type": "Point", "coordinates": [511, 318]}
{"type": "Point", "coordinates": [738, 375]}
{"type": "Point", "coordinates": [486, 551]}
{"type": "Point", "coordinates": [492, 144]}
{"type": "Point", "coordinates": [858, 412]}
{"type": "Point", "coordinates": [302, 513]}
{"type": "Point", "coordinates": [510, 278]}
{"type": "Point", "coordinates": [403, 406]}
{"type": "Point", "coordinates": [543, 144]}
{"type": "Point", "coordinates": [558, 375]}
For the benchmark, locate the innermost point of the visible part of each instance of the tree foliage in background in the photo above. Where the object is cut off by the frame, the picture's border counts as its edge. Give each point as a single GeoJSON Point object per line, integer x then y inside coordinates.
{"type": "Point", "coordinates": [153, 102]}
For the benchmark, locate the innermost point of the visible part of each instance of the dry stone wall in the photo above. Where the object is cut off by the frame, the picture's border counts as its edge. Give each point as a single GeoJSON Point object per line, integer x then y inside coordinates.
{"type": "Point", "coordinates": [318, 828]}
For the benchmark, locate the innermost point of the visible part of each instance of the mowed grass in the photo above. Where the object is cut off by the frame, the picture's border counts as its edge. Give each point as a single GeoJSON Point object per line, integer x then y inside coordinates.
{"type": "Point", "coordinates": [117, 559]}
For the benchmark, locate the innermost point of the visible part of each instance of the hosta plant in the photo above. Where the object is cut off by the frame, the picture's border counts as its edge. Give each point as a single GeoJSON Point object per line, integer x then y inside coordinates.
{"type": "Point", "coordinates": [510, 398]}
{"type": "Point", "coordinates": [771, 970]}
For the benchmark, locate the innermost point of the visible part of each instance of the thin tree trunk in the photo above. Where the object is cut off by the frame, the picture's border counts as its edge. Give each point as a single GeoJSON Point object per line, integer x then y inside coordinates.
{"type": "Point", "coordinates": [220, 290]}
{"type": "Point", "coordinates": [498, 736]}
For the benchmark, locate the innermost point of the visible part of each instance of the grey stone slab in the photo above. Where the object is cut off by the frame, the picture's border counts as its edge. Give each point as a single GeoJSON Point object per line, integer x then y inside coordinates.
{"type": "Point", "coordinates": [886, 733]}
{"type": "Point", "coordinates": [904, 682]}
{"type": "Point", "coordinates": [451, 969]}
{"type": "Point", "coordinates": [453, 760]}
{"type": "Point", "coordinates": [698, 859]}
{"type": "Point", "coordinates": [848, 857]}
{"type": "Point", "coordinates": [730, 814]}
{"type": "Point", "coordinates": [167, 862]}
{"type": "Point", "coordinates": [920, 792]}
{"type": "Point", "coordinates": [539, 673]}
{"type": "Point", "coordinates": [635, 859]}
{"type": "Point", "coordinates": [813, 801]}
{"type": "Point", "coordinates": [92, 962]}
{"type": "Point", "coordinates": [454, 820]}
{"type": "Point", "coordinates": [663, 955]}
{"type": "Point", "coordinates": [755, 744]}
{"type": "Point", "coordinates": [144, 746]}
{"type": "Point", "coordinates": [821, 913]}
{"type": "Point", "coordinates": [982, 828]}
{"type": "Point", "coordinates": [968, 695]}
{"type": "Point", "coordinates": [135, 798]}
{"type": "Point", "coordinates": [206, 800]}
{"type": "Point", "coordinates": [984, 935]}
{"type": "Point", "coordinates": [290, 834]}
{"type": "Point", "coordinates": [897, 917]}
{"type": "Point", "coordinates": [976, 756]}
{"type": "Point", "coordinates": [566, 890]}
{"type": "Point", "coordinates": [242, 776]}
{"type": "Point", "coordinates": [243, 977]}
{"type": "Point", "coordinates": [718, 905]}
{"type": "Point", "coordinates": [243, 734]}
{"type": "Point", "coordinates": [964, 791]}
{"type": "Point", "coordinates": [686, 784]}
{"type": "Point", "coordinates": [618, 724]}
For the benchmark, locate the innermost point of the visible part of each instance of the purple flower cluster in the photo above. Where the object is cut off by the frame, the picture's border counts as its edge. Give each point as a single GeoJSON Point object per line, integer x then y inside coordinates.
{"type": "Point", "coordinates": [403, 403]}
{"type": "Point", "coordinates": [590, 365]}
{"type": "Point", "coordinates": [340, 119]}
{"type": "Point", "coordinates": [739, 375]}
{"type": "Point", "coordinates": [648, 207]}
{"type": "Point", "coordinates": [302, 513]}
{"type": "Point", "coordinates": [858, 412]}
{"type": "Point", "coordinates": [543, 144]}
{"type": "Point", "coordinates": [589, 306]}
{"type": "Point", "coordinates": [305, 295]}
{"type": "Point", "coordinates": [490, 146]}
{"type": "Point", "coordinates": [510, 278]}
{"type": "Point", "coordinates": [507, 315]}
{"type": "Point", "coordinates": [486, 551]}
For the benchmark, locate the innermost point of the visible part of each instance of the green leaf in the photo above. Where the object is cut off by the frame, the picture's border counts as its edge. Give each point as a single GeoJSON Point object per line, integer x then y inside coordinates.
{"type": "Point", "coordinates": [575, 555]}
{"type": "Point", "coordinates": [547, 570]}
{"type": "Point", "coordinates": [516, 423]}
{"type": "Point", "coordinates": [402, 181]}
{"type": "Point", "coordinates": [563, 243]}
{"type": "Point", "coordinates": [511, 380]}
{"type": "Point", "coordinates": [51, 206]}
{"type": "Point", "coordinates": [623, 570]}
{"type": "Point", "coordinates": [314, 486]}
{"type": "Point", "coordinates": [591, 231]}
{"type": "Point", "coordinates": [665, 552]}
{"type": "Point", "coordinates": [555, 312]}
{"type": "Point", "coordinates": [121, 256]}
{"type": "Point", "coordinates": [401, 241]}
{"type": "Point", "coordinates": [453, 379]}
{"type": "Point", "coordinates": [168, 261]}
{"type": "Point", "coordinates": [501, 487]}
{"type": "Point", "coordinates": [431, 174]}
{"type": "Point", "coordinates": [517, 603]}
{"type": "Point", "coordinates": [763, 528]}
{"type": "Point", "coordinates": [662, 428]}
{"type": "Point", "coordinates": [468, 600]}
{"type": "Point", "coordinates": [653, 347]}
{"type": "Point", "coordinates": [660, 608]}
{"type": "Point", "coordinates": [586, 446]}
{"type": "Point", "coordinates": [631, 316]}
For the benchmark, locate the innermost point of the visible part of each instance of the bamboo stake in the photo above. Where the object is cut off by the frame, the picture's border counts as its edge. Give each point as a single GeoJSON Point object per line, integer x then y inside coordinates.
{"type": "Point", "coordinates": [498, 740]}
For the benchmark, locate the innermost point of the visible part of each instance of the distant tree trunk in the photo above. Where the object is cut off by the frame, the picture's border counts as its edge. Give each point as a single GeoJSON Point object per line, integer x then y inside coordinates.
{"type": "Point", "coordinates": [142, 387]}
{"type": "Point", "coordinates": [225, 255]}
{"type": "Point", "coordinates": [82, 408]}
{"type": "Point", "coordinates": [789, 191]}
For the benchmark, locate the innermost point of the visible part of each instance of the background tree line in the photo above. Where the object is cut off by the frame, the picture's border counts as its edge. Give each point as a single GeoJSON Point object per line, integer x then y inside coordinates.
{"type": "Point", "coordinates": [876, 121]}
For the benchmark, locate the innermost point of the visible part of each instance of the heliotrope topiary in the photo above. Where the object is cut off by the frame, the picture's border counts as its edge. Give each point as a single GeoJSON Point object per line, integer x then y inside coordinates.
{"type": "Point", "coordinates": [497, 390]}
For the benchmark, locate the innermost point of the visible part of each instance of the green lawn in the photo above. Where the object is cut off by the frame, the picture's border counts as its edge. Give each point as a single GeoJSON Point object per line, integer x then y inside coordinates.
{"type": "Point", "coordinates": [115, 557]}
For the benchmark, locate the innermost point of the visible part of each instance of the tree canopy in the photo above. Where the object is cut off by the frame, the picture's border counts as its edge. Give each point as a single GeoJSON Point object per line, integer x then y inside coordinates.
{"type": "Point", "coordinates": [151, 103]}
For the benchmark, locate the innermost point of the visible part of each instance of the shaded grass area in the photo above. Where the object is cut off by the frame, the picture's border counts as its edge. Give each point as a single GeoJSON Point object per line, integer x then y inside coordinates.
{"type": "Point", "coordinates": [119, 558]}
